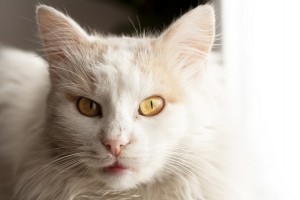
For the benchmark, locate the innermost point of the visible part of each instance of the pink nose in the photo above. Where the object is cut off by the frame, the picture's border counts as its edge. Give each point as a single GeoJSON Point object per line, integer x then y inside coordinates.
{"type": "Point", "coordinates": [114, 146]}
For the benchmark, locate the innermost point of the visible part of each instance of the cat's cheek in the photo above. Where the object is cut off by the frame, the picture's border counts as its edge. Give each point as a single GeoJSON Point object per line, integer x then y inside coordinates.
{"type": "Point", "coordinates": [149, 150]}
{"type": "Point", "coordinates": [69, 125]}
{"type": "Point", "coordinates": [167, 126]}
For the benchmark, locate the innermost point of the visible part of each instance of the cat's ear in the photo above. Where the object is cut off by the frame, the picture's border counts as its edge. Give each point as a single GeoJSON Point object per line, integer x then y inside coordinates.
{"type": "Point", "coordinates": [60, 34]}
{"type": "Point", "coordinates": [188, 41]}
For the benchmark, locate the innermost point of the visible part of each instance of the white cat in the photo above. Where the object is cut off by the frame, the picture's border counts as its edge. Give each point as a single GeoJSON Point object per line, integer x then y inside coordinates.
{"type": "Point", "coordinates": [117, 117]}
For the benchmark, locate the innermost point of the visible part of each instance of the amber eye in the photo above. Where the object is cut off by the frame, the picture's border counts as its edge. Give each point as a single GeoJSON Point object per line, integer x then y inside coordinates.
{"type": "Point", "coordinates": [88, 107]}
{"type": "Point", "coordinates": [151, 106]}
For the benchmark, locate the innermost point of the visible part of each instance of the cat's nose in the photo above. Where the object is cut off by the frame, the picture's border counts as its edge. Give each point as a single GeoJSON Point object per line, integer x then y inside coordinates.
{"type": "Point", "coordinates": [114, 146]}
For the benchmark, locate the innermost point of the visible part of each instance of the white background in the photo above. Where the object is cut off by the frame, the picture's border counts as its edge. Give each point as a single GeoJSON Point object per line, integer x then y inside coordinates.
{"type": "Point", "coordinates": [261, 52]}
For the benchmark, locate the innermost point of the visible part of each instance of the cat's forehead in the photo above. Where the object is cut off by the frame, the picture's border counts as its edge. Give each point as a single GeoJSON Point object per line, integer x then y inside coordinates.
{"type": "Point", "coordinates": [131, 65]}
{"type": "Point", "coordinates": [135, 50]}
{"type": "Point", "coordinates": [113, 50]}
{"type": "Point", "coordinates": [129, 43]}
{"type": "Point", "coordinates": [118, 68]}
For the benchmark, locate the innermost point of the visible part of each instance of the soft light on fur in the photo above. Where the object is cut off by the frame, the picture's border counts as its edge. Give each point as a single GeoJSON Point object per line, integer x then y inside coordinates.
{"type": "Point", "coordinates": [184, 152]}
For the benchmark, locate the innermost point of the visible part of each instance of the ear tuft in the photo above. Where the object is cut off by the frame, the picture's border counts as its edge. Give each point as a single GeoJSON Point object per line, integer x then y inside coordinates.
{"type": "Point", "coordinates": [58, 32]}
{"type": "Point", "coordinates": [189, 39]}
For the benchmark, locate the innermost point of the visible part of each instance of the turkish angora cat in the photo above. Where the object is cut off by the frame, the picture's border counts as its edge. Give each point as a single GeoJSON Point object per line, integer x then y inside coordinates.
{"type": "Point", "coordinates": [120, 118]}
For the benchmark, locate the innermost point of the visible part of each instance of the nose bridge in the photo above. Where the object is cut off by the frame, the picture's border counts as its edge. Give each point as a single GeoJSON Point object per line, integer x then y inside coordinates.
{"type": "Point", "coordinates": [117, 128]}
{"type": "Point", "coordinates": [114, 129]}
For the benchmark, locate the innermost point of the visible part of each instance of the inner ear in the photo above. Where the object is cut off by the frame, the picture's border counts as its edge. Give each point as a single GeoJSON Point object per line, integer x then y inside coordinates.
{"type": "Point", "coordinates": [59, 33]}
{"type": "Point", "coordinates": [190, 38]}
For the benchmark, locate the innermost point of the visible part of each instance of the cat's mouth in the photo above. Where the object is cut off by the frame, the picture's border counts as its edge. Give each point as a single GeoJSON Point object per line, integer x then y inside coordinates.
{"type": "Point", "coordinates": [116, 169]}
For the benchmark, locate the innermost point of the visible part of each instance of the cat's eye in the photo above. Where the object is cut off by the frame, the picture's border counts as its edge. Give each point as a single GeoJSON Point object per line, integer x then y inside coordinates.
{"type": "Point", "coordinates": [151, 106]}
{"type": "Point", "coordinates": [88, 107]}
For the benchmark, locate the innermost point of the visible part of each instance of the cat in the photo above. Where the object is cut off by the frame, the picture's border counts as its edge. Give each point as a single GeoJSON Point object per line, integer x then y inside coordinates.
{"type": "Point", "coordinates": [107, 117]}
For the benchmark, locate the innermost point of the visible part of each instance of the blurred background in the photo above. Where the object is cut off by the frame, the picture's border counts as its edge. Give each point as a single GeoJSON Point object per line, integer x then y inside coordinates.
{"type": "Point", "coordinates": [258, 48]}
{"type": "Point", "coordinates": [18, 26]}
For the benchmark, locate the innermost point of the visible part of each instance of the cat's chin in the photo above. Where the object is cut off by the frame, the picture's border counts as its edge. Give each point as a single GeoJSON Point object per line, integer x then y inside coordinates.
{"type": "Point", "coordinates": [125, 179]}
{"type": "Point", "coordinates": [119, 179]}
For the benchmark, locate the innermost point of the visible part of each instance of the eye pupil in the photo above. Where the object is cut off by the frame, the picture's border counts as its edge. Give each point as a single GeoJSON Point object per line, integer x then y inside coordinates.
{"type": "Point", "coordinates": [151, 103]}
{"type": "Point", "coordinates": [92, 105]}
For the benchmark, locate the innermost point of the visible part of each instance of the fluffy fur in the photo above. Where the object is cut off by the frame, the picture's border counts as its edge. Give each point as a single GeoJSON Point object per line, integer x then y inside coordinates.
{"type": "Point", "coordinates": [54, 152]}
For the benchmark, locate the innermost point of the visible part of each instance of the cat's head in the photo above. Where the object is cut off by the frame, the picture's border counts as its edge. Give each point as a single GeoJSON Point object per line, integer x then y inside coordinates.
{"type": "Point", "coordinates": [120, 107]}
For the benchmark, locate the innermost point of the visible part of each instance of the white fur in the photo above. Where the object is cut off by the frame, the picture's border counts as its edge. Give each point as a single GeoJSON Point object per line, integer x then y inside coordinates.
{"type": "Point", "coordinates": [185, 152]}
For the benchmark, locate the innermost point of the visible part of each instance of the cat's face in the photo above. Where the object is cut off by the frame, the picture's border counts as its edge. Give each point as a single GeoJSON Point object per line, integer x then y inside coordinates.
{"type": "Point", "coordinates": [118, 105]}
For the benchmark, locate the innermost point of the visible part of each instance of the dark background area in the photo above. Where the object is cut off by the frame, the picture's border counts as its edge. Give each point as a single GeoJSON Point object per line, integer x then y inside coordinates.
{"type": "Point", "coordinates": [155, 14]}
{"type": "Point", "coordinates": [18, 26]}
